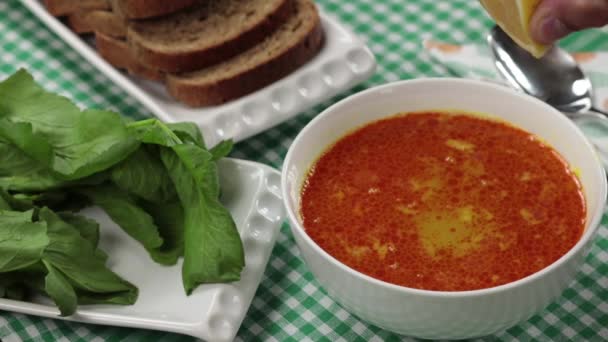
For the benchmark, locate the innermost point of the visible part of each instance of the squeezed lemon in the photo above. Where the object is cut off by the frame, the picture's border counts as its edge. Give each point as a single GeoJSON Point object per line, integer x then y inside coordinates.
{"type": "Point", "coordinates": [513, 16]}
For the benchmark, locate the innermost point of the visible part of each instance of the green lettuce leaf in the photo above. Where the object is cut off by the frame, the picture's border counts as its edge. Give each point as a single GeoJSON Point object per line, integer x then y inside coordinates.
{"type": "Point", "coordinates": [4, 204]}
{"type": "Point", "coordinates": [20, 172]}
{"type": "Point", "coordinates": [169, 218]}
{"type": "Point", "coordinates": [144, 175]}
{"type": "Point", "coordinates": [213, 249]}
{"type": "Point", "coordinates": [21, 135]}
{"type": "Point", "coordinates": [75, 257]}
{"type": "Point", "coordinates": [57, 286]}
{"type": "Point", "coordinates": [152, 131]}
{"type": "Point", "coordinates": [83, 142]}
{"type": "Point", "coordinates": [188, 133]}
{"type": "Point", "coordinates": [222, 149]}
{"type": "Point", "coordinates": [123, 210]}
{"type": "Point", "coordinates": [22, 241]}
{"type": "Point", "coordinates": [88, 229]}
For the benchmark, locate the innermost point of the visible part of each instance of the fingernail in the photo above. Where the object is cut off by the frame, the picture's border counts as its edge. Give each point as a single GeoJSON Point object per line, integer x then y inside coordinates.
{"type": "Point", "coordinates": [551, 30]}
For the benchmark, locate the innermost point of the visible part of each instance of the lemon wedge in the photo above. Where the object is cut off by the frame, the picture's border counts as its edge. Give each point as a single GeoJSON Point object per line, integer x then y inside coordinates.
{"type": "Point", "coordinates": [513, 16]}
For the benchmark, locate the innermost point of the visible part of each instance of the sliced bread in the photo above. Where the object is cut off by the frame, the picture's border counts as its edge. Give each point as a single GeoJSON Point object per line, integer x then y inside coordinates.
{"type": "Point", "coordinates": [108, 23]}
{"type": "Point", "coordinates": [79, 23]}
{"type": "Point", "coordinates": [105, 22]}
{"type": "Point", "coordinates": [206, 34]}
{"type": "Point", "coordinates": [116, 52]}
{"type": "Point", "coordinates": [290, 46]}
{"type": "Point", "coordinates": [65, 7]}
{"type": "Point", "coordinates": [141, 9]}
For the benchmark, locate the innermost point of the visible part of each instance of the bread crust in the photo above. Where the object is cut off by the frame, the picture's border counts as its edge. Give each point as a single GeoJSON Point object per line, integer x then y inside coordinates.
{"type": "Point", "coordinates": [61, 8]}
{"type": "Point", "coordinates": [252, 79]}
{"type": "Point", "coordinates": [145, 9]}
{"type": "Point", "coordinates": [105, 22]}
{"type": "Point", "coordinates": [108, 23]}
{"type": "Point", "coordinates": [116, 52]}
{"type": "Point", "coordinates": [78, 23]}
{"type": "Point", "coordinates": [184, 61]}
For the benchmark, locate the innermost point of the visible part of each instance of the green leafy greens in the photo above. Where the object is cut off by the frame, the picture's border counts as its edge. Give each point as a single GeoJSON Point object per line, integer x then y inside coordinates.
{"type": "Point", "coordinates": [195, 177]}
{"type": "Point", "coordinates": [157, 181]}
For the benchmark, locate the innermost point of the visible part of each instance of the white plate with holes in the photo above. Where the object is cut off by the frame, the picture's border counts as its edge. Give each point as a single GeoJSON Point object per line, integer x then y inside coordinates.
{"type": "Point", "coordinates": [251, 191]}
{"type": "Point", "coordinates": [343, 63]}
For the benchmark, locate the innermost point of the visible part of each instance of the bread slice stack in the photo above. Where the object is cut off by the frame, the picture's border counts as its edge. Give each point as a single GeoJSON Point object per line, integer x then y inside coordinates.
{"type": "Point", "coordinates": [207, 52]}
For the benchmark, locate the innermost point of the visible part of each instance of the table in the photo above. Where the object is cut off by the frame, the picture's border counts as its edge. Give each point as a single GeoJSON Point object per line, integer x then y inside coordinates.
{"type": "Point", "coordinates": [289, 304]}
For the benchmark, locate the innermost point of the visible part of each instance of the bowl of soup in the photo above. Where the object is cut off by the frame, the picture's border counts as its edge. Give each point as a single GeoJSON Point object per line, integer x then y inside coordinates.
{"type": "Point", "coordinates": [443, 208]}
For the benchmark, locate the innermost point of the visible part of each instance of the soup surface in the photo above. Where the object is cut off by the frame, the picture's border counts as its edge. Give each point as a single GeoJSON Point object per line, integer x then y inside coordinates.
{"type": "Point", "coordinates": [443, 202]}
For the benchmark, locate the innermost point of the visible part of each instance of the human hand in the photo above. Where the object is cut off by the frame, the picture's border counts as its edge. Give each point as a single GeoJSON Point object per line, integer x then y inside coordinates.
{"type": "Point", "coordinates": [555, 19]}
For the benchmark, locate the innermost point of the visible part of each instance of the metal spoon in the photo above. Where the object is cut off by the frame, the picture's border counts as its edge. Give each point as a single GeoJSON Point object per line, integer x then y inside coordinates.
{"type": "Point", "coordinates": [555, 78]}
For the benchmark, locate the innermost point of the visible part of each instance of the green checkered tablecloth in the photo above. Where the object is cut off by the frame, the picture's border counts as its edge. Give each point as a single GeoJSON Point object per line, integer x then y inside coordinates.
{"type": "Point", "coordinates": [289, 304]}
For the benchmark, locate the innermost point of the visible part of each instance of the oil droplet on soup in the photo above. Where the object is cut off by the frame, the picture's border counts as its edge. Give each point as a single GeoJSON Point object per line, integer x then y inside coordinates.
{"type": "Point", "coordinates": [444, 202]}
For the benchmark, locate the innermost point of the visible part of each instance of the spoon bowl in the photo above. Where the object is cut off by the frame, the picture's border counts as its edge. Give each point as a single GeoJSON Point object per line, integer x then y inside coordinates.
{"type": "Point", "coordinates": [556, 78]}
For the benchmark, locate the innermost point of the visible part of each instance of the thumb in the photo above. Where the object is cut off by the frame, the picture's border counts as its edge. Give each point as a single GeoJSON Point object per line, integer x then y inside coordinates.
{"type": "Point", "coordinates": [555, 19]}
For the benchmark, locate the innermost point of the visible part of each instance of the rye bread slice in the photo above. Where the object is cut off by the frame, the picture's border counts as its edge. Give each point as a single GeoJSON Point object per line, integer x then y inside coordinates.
{"type": "Point", "coordinates": [293, 44]}
{"type": "Point", "coordinates": [105, 22]}
{"type": "Point", "coordinates": [142, 9]}
{"type": "Point", "coordinates": [108, 23]}
{"type": "Point", "coordinates": [78, 23]}
{"type": "Point", "coordinates": [205, 34]}
{"type": "Point", "coordinates": [116, 52]}
{"type": "Point", "coordinates": [60, 8]}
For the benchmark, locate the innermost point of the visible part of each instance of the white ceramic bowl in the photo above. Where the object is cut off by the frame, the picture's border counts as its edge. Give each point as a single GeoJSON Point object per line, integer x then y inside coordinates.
{"type": "Point", "coordinates": [434, 314]}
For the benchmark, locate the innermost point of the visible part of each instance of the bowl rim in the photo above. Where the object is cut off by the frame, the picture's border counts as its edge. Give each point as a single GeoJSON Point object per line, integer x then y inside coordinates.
{"type": "Point", "coordinates": [590, 229]}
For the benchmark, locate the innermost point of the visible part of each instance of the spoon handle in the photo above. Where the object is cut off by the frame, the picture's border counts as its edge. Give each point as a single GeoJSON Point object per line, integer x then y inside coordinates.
{"type": "Point", "coordinates": [592, 113]}
{"type": "Point", "coordinates": [596, 111]}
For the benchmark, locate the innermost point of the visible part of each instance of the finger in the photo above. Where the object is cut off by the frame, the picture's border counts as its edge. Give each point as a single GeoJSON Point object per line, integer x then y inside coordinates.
{"type": "Point", "coordinates": [554, 19]}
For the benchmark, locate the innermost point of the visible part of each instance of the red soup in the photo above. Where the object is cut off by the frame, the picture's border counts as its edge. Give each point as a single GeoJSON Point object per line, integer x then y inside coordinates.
{"type": "Point", "coordinates": [443, 202]}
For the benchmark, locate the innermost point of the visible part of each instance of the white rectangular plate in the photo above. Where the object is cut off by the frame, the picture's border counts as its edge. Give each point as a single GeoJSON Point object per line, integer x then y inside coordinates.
{"type": "Point", "coordinates": [251, 191]}
{"type": "Point", "coordinates": [343, 62]}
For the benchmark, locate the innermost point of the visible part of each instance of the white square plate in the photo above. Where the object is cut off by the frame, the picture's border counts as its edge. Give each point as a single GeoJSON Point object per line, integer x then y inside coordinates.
{"type": "Point", "coordinates": [251, 191]}
{"type": "Point", "coordinates": [343, 62]}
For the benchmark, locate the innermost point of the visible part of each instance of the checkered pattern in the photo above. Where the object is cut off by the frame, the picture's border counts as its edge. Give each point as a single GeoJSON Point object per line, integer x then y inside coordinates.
{"type": "Point", "coordinates": [289, 304]}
